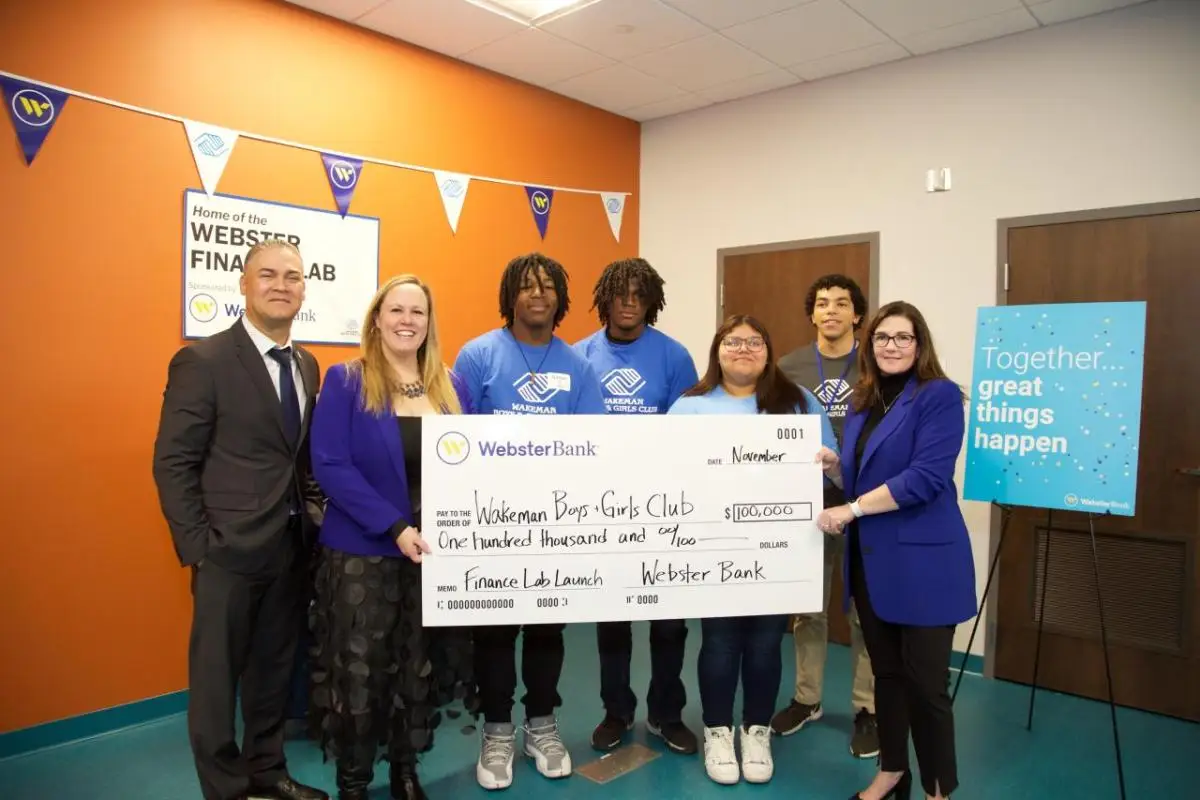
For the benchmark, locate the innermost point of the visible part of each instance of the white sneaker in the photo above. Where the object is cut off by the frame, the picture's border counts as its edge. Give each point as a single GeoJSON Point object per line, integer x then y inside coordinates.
{"type": "Point", "coordinates": [720, 760]}
{"type": "Point", "coordinates": [545, 746]}
{"type": "Point", "coordinates": [757, 764]}
{"type": "Point", "coordinates": [494, 768]}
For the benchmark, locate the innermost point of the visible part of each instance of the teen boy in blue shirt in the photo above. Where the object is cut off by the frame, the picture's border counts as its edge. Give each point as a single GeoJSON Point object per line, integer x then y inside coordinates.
{"type": "Point", "coordinates": [641, 371]}
{"type": "Point", "coordinates": [524, 368]}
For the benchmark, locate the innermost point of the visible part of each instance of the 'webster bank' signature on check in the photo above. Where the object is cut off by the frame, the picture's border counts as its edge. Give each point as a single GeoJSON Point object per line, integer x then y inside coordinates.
{"type": "Point", "coordinates": [597, 518]}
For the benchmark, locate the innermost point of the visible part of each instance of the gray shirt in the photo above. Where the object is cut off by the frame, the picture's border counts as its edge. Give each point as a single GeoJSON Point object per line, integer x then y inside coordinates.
{"type": "Point", "coordinates": [830, 379]}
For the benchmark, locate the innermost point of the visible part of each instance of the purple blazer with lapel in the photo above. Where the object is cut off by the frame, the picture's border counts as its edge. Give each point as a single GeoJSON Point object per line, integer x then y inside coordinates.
{"type": "Point", "coordinates": [358, 460]}
{"type": "Point", "coordinates": [917, 560]}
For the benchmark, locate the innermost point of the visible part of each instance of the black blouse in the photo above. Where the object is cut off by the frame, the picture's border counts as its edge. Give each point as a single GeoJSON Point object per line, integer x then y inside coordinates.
{"type": "Point", "coordinates": [890, 387]}
{"type": "Point", "coordinates": [410, 436]}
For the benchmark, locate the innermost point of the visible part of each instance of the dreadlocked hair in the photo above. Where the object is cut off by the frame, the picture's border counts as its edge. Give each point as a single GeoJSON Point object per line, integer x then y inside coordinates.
{"type": "Point", "coordinates": [514, 276]}
{"type": "Point", "coordinates": [614, 282]}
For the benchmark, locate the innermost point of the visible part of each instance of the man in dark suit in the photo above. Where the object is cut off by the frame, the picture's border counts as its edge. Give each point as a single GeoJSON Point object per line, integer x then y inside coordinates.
{"type": "Point", "coordinates": [232, 468]}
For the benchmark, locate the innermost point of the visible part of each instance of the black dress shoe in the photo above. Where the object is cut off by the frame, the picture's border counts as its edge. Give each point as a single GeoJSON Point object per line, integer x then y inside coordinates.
{"type": "Point", "coordinates": [901, 791]}
{"type": "Point", "coordinates": [287, 789]}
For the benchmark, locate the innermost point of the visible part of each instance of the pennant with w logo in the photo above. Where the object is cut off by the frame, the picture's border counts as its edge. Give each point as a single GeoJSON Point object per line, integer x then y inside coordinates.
{"type": "Point", "coordinates": [33, 109]}
{"type": "Point", "coordinates": [343, 174]}
{"type": "Point", "coordinates": [539, 203]}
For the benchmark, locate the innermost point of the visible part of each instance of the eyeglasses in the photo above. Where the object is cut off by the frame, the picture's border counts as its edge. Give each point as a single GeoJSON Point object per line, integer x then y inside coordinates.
{"type": "Point", "coordinates": [902, 340]}
{"type": "Point", "coordinates": [753, 344]}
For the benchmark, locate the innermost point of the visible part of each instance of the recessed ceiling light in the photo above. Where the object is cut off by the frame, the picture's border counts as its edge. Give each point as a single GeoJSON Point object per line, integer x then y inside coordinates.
{"type": "Point", "coordinates": [532, 12]}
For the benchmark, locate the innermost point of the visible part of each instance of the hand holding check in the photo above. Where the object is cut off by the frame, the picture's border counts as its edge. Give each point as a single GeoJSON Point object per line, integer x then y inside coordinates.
{"type": "Point", "coordinates": [411, 544]}
{"type": "Point", "coordinates": [832, 520]}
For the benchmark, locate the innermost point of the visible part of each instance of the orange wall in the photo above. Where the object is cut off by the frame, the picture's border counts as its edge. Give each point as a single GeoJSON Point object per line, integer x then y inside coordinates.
{"type": "Point", "coordinates": [96, 610]}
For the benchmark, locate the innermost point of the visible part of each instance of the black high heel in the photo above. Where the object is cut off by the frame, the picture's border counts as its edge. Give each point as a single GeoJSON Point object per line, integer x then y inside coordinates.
{"type": "Point", "coordinates": [901, 791]}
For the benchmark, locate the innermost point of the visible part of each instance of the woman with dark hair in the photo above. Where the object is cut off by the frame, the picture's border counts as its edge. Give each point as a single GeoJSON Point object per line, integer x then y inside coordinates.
{"type": "Point", "coordinates": [742, 379]}
{"type": "Point", "coordinates": [909, 566]}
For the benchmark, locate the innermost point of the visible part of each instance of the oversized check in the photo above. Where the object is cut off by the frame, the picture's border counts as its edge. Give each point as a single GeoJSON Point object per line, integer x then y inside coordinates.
{"type": "Point", "coordinates": [598, 518]}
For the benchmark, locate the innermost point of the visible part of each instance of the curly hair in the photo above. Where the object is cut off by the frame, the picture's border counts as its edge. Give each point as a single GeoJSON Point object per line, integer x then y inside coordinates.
{"type": "Point", "coordinates": [614, 282]}
{"type": "Point", "coordinates": [514, 276]}
{"type": "Point", "coordinates": [838, 281]}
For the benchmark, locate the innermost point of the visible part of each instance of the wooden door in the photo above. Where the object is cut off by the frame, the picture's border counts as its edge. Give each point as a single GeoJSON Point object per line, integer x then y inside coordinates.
{"type": "Point", "coordinates": [772, 286]}
{"type": "Point", "coordinates": [1148, 563]}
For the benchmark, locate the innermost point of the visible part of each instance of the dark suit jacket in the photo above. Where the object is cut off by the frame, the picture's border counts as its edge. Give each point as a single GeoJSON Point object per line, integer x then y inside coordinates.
{"type": "Point", "coordinates": [917, 559]}
{"type": "Point", "coordinates": [222, 463]}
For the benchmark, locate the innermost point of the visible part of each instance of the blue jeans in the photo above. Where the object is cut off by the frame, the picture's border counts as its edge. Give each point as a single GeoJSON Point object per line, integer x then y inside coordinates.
{"type": "Point", "coordinates": [750, 648]}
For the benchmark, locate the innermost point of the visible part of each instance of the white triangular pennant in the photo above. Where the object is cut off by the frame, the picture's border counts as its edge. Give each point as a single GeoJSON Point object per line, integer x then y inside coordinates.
{"type": "Point", "coordinates": [614, 207]}
{"type": "Point", "coordinates": [211, 147]}
{"type": "Point", "coordinates": [452, 186]}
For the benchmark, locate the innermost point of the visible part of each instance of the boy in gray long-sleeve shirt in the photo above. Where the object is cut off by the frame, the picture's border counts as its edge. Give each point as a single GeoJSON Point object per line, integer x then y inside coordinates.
{"type": "Point", "coordinates": [829, 369]}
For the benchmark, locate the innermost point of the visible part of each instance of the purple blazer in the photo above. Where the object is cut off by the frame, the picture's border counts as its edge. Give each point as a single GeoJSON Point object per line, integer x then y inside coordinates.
{"type": "Point", "coordinates": [358, 460]}
{"type": "Point", "coordinates": [917, 559]}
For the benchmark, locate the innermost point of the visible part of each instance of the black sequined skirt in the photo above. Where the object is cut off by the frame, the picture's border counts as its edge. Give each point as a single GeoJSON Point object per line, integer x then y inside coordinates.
{"type": "Point", "coordinates": [378, 678]}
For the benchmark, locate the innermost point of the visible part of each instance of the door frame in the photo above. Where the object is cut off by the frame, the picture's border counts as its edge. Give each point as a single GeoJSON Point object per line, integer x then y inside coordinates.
{"type": "Point", "coordinates": [1003, 226]}
{"type": "Point", "coordinates": [871, 239]}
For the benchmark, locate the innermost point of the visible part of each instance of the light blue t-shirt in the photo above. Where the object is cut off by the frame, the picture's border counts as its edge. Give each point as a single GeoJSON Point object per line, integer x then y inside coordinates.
{"type": "Point", "coordinates": [719, 401]}
{"type": "Point", "coordinates": [644, 376]}
{"type": "Point", "coordinates": [504, 376]}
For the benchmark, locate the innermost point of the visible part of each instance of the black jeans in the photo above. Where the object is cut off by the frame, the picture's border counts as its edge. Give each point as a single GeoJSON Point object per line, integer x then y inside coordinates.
{"type": "Point", "coordinates": [912, 670]}
{"type": "Point", "coordinates": [749, 647]}
{"type": "Point", "coordinates": [667, 696]}
{"type": "Point", "coordinates": [496, 669]}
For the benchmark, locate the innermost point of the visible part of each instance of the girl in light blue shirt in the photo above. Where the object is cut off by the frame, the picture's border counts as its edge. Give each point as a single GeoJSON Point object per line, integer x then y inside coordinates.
{"type": "Point", "coordinates": [742, 379]}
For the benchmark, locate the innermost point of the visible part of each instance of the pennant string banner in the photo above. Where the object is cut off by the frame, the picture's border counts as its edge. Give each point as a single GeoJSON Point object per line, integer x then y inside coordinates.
{"type": "Point", "coordinates": [351, 158]}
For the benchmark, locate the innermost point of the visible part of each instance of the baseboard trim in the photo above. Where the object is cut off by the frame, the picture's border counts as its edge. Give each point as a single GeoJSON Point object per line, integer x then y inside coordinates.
{"type": "Point", "coordinates": [93, 723]}
{"type": "Point", "coordinates": [974, 665]}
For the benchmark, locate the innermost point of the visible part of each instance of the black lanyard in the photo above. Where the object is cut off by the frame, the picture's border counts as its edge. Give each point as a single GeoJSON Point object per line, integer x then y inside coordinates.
{"type": "Point", "coordinates": [821, 369]}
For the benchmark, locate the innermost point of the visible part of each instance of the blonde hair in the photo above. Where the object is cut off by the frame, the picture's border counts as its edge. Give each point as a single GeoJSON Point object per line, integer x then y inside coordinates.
{"type": "Point", "coordinates": [379, 381]}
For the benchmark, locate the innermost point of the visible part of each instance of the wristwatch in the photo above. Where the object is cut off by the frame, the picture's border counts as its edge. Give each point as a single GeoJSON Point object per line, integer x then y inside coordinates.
{"type": "Point", "coordinates": [856, 509]}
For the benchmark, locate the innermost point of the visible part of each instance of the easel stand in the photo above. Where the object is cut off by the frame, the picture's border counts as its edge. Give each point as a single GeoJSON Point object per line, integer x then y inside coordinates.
{"type": "Point", "coordinates": [1006, 515]}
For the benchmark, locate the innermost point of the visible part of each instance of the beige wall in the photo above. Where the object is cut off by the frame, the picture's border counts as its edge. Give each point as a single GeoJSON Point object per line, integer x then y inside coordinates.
{"type": "Point", "coordinates": [1100, 112]}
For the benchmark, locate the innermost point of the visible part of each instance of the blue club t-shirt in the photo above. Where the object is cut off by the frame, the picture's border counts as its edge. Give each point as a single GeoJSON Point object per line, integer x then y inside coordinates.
{"type": "Point", "coordinates": [719, 401]}
{"type": "Point", "coordinates": [644, 376]}
{"type": "Point", "coordinates": [505, 376]}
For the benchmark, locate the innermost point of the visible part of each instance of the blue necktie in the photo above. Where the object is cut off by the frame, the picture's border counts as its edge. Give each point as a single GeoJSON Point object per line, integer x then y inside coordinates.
{"type": "Point", "coordinates": [287, 394]}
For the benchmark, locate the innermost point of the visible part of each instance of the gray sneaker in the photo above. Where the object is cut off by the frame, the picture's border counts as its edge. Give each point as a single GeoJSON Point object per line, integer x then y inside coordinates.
{"type": "Point", "coordinates": [494, 769]}
{"type": "Point", "coordinates": [545, 746]}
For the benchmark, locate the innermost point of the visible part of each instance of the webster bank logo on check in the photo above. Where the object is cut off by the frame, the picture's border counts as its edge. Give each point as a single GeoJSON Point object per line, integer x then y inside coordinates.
{"type": "Point", "coordinates": [454, 448]}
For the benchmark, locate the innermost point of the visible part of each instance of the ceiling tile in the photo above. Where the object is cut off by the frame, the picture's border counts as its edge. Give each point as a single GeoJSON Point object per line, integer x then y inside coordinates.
{"type": "Point", "coordinates": [452, 27]}
{"type": "Point", "coordinates": [850, 61]}
{"type": "Point", "coordinates": [1049, 12]}
{"type": "Point", "coordinates": [687, 102]}
{"type": "Point", "coordinates": [623, 29]}
{"type": "Point", "coordinates": [723, 13]}
{"type": "Point", "coordinates": [755, 84]}
{"type": "Point", "coordinates": [805, 33]}
{"type": "Point", "coordinates": [914, 16]}
{"type": "Point", "coordinates": [536, 57]}
{"type": "Point", "coordinates": [701, 63]}
{"type": "Point", "coordinates": [617, 88]}
{"type": "Point", "coordinates": [342, 9]}
{"type": "Point", "coordinates": [969, 32]}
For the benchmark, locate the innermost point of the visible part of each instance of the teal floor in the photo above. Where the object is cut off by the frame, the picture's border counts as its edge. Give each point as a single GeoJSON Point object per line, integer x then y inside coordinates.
{"type": "Point", "coordinates": [1068, 755]}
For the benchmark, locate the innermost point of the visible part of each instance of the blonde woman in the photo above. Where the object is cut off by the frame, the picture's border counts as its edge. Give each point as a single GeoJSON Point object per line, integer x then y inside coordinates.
{"type": "Point", "coordinates": [373, 681]}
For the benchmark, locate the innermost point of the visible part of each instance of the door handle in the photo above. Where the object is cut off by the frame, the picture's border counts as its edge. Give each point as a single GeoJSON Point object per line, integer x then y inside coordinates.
{"type": "Point", "coordinates": [1193, 472]}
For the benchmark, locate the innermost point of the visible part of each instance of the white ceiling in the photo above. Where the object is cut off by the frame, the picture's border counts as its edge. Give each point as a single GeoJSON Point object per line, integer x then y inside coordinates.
{"type": "Point", "coordinates": [651, 58]}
